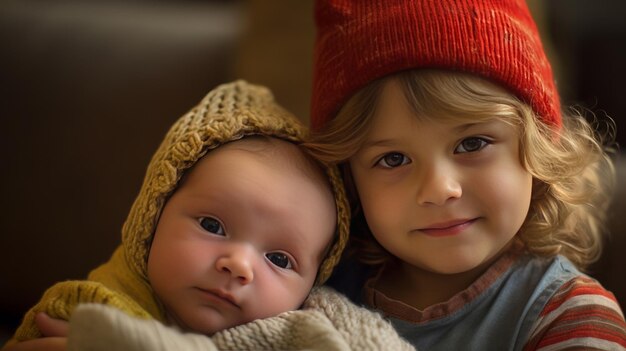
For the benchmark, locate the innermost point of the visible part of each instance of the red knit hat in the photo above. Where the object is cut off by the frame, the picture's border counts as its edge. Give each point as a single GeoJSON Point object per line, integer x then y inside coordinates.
{"type": "Point", "coordinates": [359, 41]}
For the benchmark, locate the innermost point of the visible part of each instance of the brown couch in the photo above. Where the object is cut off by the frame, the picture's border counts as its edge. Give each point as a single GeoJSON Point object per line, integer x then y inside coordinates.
{"type": "Point", "coordinates": [87, 91]}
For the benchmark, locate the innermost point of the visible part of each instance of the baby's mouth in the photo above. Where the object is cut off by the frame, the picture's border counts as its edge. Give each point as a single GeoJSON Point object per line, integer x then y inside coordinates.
{"type": "Point", "coordinates": [221, 295]}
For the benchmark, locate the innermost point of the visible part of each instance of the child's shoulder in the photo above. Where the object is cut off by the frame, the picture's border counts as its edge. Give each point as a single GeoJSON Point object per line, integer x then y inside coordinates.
{"type": "Point", "coordinates": [550, 270]}
{"type": "Point", "coordinates": [583, 308]}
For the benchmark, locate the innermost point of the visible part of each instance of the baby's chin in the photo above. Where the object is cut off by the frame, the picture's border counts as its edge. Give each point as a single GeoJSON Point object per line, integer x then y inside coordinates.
{"type": "Point", "coordinates": [207, 324]}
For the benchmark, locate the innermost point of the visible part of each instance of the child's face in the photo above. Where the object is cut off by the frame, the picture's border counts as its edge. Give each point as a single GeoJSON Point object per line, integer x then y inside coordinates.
{"type": "Point", "coordinates": [241, 239]}
{"type": "Point", "coordinates": [443, 196]}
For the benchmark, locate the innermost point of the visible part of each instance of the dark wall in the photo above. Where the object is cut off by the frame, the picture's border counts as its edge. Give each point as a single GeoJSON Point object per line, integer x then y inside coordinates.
{"type": "Point", "coordinates": [589, 38]}
{"type": "Point", "coordinates": [87, 91]}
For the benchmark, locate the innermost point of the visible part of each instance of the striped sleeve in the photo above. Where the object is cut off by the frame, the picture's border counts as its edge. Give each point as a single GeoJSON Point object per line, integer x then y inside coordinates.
{"type": "Point", "coordinates": [580, 315]}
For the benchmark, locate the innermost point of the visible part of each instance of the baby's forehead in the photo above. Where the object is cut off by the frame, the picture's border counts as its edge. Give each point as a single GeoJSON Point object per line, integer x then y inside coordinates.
{"type": "Point", "coordinates": [281, 152]}
{"type": "Point", "coordinates": [263, 145]}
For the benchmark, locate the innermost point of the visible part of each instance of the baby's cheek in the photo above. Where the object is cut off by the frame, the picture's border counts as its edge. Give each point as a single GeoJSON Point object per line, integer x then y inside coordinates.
{"type": "Point", "coordinates": [276, 295]}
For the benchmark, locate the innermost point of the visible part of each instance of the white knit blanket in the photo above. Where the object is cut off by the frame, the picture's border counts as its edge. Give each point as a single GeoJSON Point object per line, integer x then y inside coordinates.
{"type": "Point", "coordinates": [327, 321]}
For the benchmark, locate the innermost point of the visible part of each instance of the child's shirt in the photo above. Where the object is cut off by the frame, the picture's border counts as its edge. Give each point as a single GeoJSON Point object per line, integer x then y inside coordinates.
{"type": "Point", "coordinates": [521, 302]}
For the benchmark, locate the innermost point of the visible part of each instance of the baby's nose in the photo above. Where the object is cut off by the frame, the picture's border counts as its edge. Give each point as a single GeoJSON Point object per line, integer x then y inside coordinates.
{"type": "Point", "coordinates": [239, 263]}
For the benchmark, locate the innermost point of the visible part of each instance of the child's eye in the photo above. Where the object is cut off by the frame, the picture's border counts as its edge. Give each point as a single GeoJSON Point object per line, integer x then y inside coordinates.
{"type": "Point", "coordinates": [471, 145]}
{"type": "Point", "coordinates": [212, 225]}
{"type": "Point", "coordinates": [279, 259]}
{"type": "Point", "coordinates": [393, 160]}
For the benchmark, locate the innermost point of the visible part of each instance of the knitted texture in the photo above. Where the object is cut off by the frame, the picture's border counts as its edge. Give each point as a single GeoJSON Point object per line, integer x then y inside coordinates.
{"type": "Point", "coordinates": [360, 41]}
{"type": "Point", "coordinates": [229, 112]}
{"type": "Point", "coordinates": [61, 299]}
{"type": "Point", "coordinates": [328, 321]}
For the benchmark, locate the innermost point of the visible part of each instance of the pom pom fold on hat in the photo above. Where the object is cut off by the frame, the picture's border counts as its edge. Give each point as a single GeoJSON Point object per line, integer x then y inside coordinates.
{"type": "Point", "coordinates": [360, 41]}
{"type": "Point", "coordinates": [229, 112]}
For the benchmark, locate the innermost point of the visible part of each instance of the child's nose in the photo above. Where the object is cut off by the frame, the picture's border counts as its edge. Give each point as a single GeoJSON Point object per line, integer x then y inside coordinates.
{"type": "Point", "coordinates": [238, 262]}
{"type": "Point", "coordinates": [437, 185]}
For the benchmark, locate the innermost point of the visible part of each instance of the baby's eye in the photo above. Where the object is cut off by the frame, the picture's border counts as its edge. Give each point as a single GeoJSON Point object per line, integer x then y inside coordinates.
{"type": "Point", "coordinates": [212, 225]}
{"type": "Point", "coordinates": [471, 145]}
{"type": "Point", "coordinates": [279, 259]}
{"type": "Point", "coordinates": [393, 160]}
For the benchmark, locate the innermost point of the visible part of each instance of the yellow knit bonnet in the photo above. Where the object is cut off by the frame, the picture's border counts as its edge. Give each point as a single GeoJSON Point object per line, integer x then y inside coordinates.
{"type": "Point", "coordinates": [229, 112]}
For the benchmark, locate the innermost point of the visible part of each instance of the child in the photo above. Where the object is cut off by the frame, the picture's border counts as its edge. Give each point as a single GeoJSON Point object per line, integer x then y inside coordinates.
{"type": "Point", "coordinates": [233, 223]}
{"type": "Point", "coordinates": [478, 202]}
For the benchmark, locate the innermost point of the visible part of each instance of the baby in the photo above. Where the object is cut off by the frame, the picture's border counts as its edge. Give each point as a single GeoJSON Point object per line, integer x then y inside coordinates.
{"type": "Point", "coordinates": [234, 222]}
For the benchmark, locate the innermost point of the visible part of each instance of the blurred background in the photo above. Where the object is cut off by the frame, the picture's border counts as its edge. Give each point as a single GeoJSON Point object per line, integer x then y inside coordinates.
{"type": "Point", "coordinates": [89, 88]}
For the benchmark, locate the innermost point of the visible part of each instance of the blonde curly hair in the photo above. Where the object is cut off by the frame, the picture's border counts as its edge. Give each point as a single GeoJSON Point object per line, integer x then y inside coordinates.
{"type": "Point", "coordinates": [573, 173]}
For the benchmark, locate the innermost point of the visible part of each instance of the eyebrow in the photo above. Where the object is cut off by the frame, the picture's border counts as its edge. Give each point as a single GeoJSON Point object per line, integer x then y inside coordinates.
{"type": "Point", "coordinates": [379, 143]}
{"type": "Point", "coordinates": [466, 126]}
{"type": "Point", "coordinates": [390, 142]}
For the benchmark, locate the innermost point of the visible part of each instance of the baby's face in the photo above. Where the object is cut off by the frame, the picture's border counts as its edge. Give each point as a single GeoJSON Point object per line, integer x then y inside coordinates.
{"type": "Point", "coordinates": [242, 238]}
